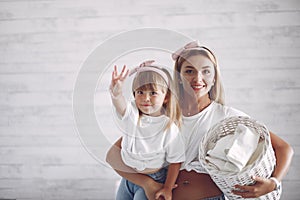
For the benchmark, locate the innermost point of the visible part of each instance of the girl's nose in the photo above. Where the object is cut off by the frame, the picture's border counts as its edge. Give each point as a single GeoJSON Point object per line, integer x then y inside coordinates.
{"type": "Point", "coordinates": [147, 97]}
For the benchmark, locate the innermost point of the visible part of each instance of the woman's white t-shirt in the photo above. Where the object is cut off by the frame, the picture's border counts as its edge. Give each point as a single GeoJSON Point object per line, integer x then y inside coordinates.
{"type": "Point", "coordinates": [147, 144]}
{"type": "Point", "coordinates": [194, 127]}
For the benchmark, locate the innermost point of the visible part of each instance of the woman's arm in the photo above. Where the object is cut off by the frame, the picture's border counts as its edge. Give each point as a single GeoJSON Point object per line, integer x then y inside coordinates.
{"type": "Point", "coordinates": [166, 191]}
{"type": "Point", "coordinates": [284, 153]}
{"type": "Point", "coordinates": [113, 158]}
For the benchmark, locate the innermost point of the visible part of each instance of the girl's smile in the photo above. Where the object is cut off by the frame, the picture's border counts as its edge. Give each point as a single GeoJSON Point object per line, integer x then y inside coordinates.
{"type": "Point", "coordinates": [150, 102]}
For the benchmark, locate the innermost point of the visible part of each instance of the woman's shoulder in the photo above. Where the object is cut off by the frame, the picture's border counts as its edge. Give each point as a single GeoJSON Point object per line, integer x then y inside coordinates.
{"type": "Point", "coordinates": [228, 111]}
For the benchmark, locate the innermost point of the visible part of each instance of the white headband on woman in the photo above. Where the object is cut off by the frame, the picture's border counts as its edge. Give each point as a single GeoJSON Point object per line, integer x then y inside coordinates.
{"type": "Point", "coordinates": [147, 66]}
{"type": "Point", "coordinates": [191, 45]}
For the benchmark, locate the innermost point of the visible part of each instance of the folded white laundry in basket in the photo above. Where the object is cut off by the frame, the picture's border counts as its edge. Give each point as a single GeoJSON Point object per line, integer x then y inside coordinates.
{"type": "Point", "coordinates": [243, 146]}
{"type": "Point", "coordinates": [232, 152]}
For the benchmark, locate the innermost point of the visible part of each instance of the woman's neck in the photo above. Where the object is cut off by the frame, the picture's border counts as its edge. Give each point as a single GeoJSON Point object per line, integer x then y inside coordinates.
{"type": "Point", "coordinates": [203, 103]}
{"type": "Point", "coordinates": [194, 106]}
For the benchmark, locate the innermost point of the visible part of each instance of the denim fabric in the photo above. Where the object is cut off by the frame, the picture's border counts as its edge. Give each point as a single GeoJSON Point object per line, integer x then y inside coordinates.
{"type": "Point", "coordinates": [221, 197]}
{"type": "Point", "coordinates": [130, 191]}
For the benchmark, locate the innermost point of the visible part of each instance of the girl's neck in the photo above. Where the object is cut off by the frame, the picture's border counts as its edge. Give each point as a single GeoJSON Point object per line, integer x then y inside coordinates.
{"type": "Point", "coordinates": [158, 114]}
{"type": "Point", "coordinates": [195, 106]}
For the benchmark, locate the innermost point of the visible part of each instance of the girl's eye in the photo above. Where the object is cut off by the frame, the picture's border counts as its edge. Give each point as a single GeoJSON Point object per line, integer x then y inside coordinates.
{"type": "Point", "coordinates": [139, 92]}
{"type": "Point", "coordinates": [153, 93]}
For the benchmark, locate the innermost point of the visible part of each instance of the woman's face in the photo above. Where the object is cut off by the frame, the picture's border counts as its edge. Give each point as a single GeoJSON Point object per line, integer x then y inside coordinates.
{"type": "Point", "coordinates": [197, 73]}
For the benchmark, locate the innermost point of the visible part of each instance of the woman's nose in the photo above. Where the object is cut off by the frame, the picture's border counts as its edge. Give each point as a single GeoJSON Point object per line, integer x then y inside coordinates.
{"type": "Point", "coordinates": [198, 76]}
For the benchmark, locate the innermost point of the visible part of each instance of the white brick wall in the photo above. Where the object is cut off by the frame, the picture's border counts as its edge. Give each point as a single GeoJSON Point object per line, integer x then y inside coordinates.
{"type": "Point", "coordinates": [44, 42]}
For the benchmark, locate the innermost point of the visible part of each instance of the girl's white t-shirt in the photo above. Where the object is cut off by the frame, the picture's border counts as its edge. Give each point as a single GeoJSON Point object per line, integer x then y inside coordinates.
{"type": "Point", "coordinates": [147, 144]}
{"type": "Point", "coordinates": [194, 127]}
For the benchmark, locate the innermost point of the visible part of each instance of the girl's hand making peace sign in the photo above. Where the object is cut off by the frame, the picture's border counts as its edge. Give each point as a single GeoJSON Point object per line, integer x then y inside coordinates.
{"type": "Point", "coordinates": [118, 80]}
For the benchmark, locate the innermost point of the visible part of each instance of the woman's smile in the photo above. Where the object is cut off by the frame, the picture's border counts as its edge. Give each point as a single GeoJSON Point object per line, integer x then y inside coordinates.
{"type": "Point", "coordinates": [197, 86]}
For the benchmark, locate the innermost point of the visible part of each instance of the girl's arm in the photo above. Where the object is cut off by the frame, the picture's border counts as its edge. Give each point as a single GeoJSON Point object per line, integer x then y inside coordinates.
{"type": "Point", "coordinates": [284, 153]}
{"type": "Point", "coordinates": [113, 158]}
{"type": "Point", "coordinates": [116, 87]}
{"type": "Point", "coordinates": [166, 191]}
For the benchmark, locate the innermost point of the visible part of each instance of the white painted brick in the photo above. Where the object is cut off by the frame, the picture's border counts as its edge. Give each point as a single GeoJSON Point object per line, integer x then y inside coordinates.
{"type": "Point", "coordinates": [124, 22]}
{"type": "Point", "coordinates": [31, 66]}
{"type": "Point", "coordinates": [44, 43]}
{"type": "Point", "coordinates": [93, 8]}
{"type": "Point", "coordinates": [46, 155]}
{"type": "Point", "coordinates": [36, 98]}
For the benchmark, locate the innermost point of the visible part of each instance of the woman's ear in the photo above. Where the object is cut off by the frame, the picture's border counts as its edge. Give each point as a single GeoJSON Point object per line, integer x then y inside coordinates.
{"type": "Point", "coordinates": [166, 100]}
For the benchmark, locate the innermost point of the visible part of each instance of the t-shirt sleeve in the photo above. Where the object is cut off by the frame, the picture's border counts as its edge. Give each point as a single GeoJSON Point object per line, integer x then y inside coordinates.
{"type": "Point", "coordinates": [230, 112]}
{"type": "Point", "coordinates": [130, 115]}
{"type": "Point", "coordinates": [175, 148]}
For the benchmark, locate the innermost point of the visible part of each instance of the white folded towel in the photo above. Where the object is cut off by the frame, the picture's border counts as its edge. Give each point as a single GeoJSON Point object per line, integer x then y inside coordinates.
{"type": "Point", "coordinates": [222, 165]}
{"type": "Point", "coordinates": [217, 156]}
{"type": "Point", "coordinates": [232, 152]}
{"type": "Point", "coordinates": [218, 151]}
{"type": "Point", "coordinates": [243, 146]}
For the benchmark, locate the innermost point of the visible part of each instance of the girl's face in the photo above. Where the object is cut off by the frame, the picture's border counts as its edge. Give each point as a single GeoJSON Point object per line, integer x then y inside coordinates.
{"type": "Point", "coordinates": [197, 73]}
{"type": "Point", "coordinates": [150, 101]}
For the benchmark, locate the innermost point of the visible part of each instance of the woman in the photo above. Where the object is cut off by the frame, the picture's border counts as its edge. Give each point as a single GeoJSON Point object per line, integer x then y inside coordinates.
{"type": "Point", "coordinates": [201, 97]}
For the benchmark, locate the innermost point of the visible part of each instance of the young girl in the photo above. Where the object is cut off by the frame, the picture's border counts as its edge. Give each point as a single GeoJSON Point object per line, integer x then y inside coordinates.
{"type": "Point", "coordinates": [151, 139]}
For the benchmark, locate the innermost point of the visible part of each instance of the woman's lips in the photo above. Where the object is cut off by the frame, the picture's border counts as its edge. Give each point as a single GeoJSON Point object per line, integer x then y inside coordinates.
{"type": "Point", "coordinates": [146, 105]}
{"type": "Point", "coordinates": [198, 87]}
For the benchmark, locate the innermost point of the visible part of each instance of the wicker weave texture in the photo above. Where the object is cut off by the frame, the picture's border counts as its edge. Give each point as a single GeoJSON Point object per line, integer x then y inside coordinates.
{"type": "Point", "coordinates": [263, 165]}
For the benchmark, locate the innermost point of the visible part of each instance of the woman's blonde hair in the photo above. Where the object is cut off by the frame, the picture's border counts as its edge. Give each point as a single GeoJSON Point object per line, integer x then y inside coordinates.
{"type": "Point", "coordinates": [217, 92]}
{"type": "Point", "coordinates": [152, 80]}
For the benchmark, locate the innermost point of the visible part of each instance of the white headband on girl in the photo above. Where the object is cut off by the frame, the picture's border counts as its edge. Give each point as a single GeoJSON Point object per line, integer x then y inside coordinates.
{"type": "Point", "coordinates": [147, 66]}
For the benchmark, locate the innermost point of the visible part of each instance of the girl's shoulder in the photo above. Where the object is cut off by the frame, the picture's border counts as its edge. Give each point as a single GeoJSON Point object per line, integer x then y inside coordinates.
{"type": "Point", "coordinates": [173, 129]}
{"type": "Point", "coordinates": [173, 134]}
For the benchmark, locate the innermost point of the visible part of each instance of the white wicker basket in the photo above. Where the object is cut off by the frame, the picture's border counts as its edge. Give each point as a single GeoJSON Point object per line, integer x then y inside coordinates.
{"type": "Point", "coordinates": [262, 166]}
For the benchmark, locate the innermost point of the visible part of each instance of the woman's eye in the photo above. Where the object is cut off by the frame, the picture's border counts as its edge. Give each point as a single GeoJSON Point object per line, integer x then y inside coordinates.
{"type": "Point", "coordinates": [188, 71]}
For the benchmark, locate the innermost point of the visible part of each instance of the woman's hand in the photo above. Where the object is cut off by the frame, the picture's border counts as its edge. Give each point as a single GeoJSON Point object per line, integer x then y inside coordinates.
{"type": "Point", "coordinates": [261, 187]}
{"type": "Point", "coordinates": [117, 80]}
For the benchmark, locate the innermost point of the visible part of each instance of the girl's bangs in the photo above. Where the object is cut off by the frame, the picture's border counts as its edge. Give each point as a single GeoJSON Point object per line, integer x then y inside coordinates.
{"type": "Point", "coordinates": [148, 81]}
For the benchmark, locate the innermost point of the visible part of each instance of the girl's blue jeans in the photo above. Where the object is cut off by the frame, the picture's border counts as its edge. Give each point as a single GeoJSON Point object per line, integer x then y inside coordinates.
{"type": "Point", "coordinates": [221, 197]}
{"type": "Point", "coordinates": [130, 191]}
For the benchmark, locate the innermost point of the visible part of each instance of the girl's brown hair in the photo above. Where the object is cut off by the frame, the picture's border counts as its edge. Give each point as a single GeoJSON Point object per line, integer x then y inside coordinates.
{"type": "Point", "coordinates": [152, 80]}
